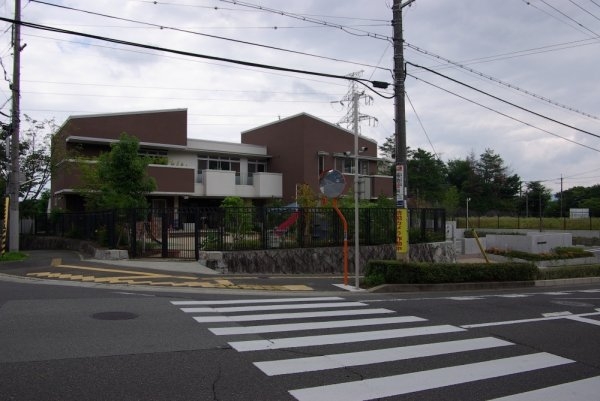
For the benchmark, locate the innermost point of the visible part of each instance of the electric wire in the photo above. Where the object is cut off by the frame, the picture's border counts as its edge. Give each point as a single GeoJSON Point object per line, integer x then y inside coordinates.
{"type": "Point", "coordinates": [501, 113]}
{"type": "Point", "coordinates": [570, 18]}
{"type": "Point", "coordinates": [498, 81]}
{"type": "Point", "coordinates": [505, 101]}
{"type": "Point", "coordinates": [421, 124]}
{"type": "Point", "coordinates": [585, 10]}
{"type": "Point", "coordinates": [361, 81]}
{"type": "Point", "coordinates": [359, 32]}
{"type": "Point", "coordinates": [558, 19]}
{"type": "Point", "coordinates": [206, 34]}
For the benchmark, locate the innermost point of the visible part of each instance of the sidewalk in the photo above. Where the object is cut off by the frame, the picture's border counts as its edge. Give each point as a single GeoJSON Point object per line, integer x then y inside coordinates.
{"type": "Point", "coordinates": [171, 265]}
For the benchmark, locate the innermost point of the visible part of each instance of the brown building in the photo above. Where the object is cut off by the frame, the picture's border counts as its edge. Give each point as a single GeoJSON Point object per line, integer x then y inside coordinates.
{"type": "Point", "coordinates": [269, 163]}
{"type": "Point", "coordinates": [302, 147]}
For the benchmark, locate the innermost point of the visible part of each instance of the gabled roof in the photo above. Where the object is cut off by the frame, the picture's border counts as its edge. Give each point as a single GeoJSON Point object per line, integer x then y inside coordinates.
{"type": "Point", "coordinates": [304, 114]}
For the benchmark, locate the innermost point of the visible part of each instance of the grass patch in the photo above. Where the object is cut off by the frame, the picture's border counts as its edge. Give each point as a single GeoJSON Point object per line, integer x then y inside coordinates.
{"type": "Point", "coordinates": [13, 256]}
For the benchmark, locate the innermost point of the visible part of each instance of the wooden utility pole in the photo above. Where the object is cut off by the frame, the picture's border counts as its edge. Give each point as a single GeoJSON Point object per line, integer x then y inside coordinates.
{"type": "Point", "coordinates": [400, 134]}
{"type": "Point", "coordinates": [14, 184]}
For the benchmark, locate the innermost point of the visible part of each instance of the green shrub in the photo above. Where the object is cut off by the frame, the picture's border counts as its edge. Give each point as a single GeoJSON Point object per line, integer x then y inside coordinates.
{"type": "Point", "coordinates": [397, 272]}
{"type": "Point", "coordinates": [553, 273]}
{"type": "Point", "coordinates": [556, 253]}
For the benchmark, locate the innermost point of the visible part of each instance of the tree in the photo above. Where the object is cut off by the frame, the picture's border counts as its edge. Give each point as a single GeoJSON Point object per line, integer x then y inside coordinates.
{"type": "Point", "coordinates": [536, 196]}
{"type": "Point", "coordinates": [388, 153]}
{"type": "Point", "coordinates": [238, 216]}
{"type": "Point", "coordinates": [499, 189]}
{"type": "Point", "coordinates": [426, 177]}
{"type": "Point", "coordinates": [34, 161]}
{"type": "Point", "coordinates": [119, 179]}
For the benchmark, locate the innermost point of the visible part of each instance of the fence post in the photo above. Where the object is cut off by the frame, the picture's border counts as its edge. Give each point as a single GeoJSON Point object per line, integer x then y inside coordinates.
{"type": "Point", "coordinates": [264, 234]}
{"type": "Point", "coordinates": [196, 234]}
{"type": "Point", "coordinates": [165, 233]}
{"type": "Point", "coordinates": [111, 229]}
{"type": "Point", "coordinates": [133, 232]}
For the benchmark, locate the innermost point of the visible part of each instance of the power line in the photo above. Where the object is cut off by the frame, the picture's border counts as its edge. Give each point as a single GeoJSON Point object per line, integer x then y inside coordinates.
{"type": "Point", "coordinates": [568, 17]}
{"type": "Point", "coordinates": [501, 113]}
{"type": "Point", "coordinates": [205, 34]}
{"type": "Point", "coordinates": [585, 10]}
{"type": "Point", "coordinates": [358, 32]}
{"type": "Point", "coordinates": [361, 81]}
{"type": "Point", "coordinates": [421, 124]}
{"type": "Point", "coordinates": [237, 9]}
{"type": "Point", "coordinates": [498, 81]}
{"type": "Point", "coordinates": [505, 101]}
{"type": "Point", "coordinates": [558, 19]}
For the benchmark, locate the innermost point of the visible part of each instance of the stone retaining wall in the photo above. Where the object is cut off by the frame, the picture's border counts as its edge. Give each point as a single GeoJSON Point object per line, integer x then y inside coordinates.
{"type": "Point", "coordinates": [326, 260]}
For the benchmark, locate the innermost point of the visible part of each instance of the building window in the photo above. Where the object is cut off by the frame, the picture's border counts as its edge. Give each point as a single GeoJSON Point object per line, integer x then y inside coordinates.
{"type": "Point", "coordinates": [256, 166]}
{"type": "Point", "coordinates": [321, 164]}
{"type": "Point", "coordinates": [218, 163]}
{"type": "Point", "coordinates": [363, 167]}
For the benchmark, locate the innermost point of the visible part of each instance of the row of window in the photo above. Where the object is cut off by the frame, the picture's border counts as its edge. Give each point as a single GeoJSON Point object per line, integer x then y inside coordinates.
{"type": "Point", "coordinates": [207, 162]}
{"type": "Point", "coordinates": [345, 165]}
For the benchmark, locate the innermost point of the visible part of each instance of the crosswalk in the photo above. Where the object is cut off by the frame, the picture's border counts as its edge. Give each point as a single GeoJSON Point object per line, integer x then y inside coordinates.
{"type": "Point", "coordinates": [375, 336]}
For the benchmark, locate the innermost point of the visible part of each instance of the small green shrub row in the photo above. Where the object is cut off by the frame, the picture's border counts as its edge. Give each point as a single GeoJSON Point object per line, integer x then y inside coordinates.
{"type": "Point", "coordinates": [554, 273]}
{"type": "Point", "coordinates": [556, 253]}
{"type": "Point", "coordinates": [396, 272]}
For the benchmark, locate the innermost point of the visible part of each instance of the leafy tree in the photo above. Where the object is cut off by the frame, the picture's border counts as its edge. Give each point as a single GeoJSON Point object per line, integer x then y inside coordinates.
{"type": "Point", "coordinates": [536, 196]}
{"type": "Point", "coordinates": [451, 201]}
{"type": "Point", "coordinates": [426, 177]}
{"type": "Point", "coordinates": [238, 216]}
{"type": "Point", "coordinates": [499, 189]}
{"type": "Point", "coordinates": [34, 161]}
{"type": "Point", "coordinates": [119, 179]}
{"type": "Point", "coordinates": [388, 153]}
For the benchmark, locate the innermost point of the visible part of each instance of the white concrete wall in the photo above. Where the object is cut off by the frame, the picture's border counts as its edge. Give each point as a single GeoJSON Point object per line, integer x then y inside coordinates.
{"type": "Point", "coordinates": [219, 183]}
{"type": "Point", "coordinates": [533, 242]}
{"type": "Point", "coordinates": [268, 185]}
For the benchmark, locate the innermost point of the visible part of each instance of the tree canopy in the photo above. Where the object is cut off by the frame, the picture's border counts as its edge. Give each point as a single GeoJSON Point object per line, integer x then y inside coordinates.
{"type": "Point", "coordinates": [118, 180]}
{"type": "Point", "coordinates": [34, 161]}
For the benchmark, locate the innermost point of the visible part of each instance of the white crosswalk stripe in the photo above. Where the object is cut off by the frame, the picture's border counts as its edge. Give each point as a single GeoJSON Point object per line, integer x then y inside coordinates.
{"type": "Point", "coordinates": [329, 339]}
{"type": "Point", "coordinates": [356, 318]}
{"type": "Point", "coordinates": [278, 328]}
{"type": "Point", "coordinates": [580, 390]}
{"type": "Point", "coordinates": [334, 361]}
{"type": "Point", "coordinates": [411, 382]}
{"type": "Point", "coordinates": [292, 315]}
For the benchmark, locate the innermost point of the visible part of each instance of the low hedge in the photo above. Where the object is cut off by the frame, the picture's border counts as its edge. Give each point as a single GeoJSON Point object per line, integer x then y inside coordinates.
{"type": "Point", "coordinates": [554, 273]}
{"type": "Point", "coordinates": [397, 272]}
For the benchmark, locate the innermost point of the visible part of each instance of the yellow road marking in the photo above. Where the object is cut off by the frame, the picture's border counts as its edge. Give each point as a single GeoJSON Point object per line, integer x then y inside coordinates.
{"type": "Point", "coordinates": [142, 278]}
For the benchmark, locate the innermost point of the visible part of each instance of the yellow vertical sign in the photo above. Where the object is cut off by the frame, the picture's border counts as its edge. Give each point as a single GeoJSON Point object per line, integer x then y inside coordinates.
{"type": "Point", "coordinates": [401, 230]}
{"type": "Point", "coordinates": [5, 225]}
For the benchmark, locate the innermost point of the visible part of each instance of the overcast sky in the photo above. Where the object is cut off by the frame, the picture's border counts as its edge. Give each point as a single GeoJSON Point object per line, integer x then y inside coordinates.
{"type": "Point", "coordinates": [547, 48]}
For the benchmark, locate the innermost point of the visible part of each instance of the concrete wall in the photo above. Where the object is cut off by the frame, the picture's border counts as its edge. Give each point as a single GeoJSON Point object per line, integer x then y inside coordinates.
{"type": "Point", "coordinates": [533, 242]}
{"type": "Point", "coordinates": [327, 260]}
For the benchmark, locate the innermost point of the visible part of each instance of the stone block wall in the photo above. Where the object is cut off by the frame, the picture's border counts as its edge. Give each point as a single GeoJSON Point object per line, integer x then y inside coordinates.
{"type": "Point", "coordinates": [327, 260]}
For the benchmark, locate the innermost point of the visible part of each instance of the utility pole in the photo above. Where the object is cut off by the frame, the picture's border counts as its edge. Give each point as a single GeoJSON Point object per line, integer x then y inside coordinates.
{"type": "Point", "coordinates": [353, 118]}
{"type": "Point", "coordinates": [400, 134]}
{"type": "Point", "coordinates": [13, 184]}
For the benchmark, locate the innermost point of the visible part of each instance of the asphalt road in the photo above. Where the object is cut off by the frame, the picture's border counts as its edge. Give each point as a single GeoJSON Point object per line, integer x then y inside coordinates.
{"type": "Point", "coordinates": [100, 342]}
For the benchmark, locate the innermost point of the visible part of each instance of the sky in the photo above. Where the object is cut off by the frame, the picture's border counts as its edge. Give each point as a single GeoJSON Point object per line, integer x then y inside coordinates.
{"type": "Point", "coordinates": [537, 58]}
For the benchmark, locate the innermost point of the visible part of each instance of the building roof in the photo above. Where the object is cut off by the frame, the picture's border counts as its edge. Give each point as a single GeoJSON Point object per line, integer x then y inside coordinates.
{"type": "Point", "coordinates": [303, 114]}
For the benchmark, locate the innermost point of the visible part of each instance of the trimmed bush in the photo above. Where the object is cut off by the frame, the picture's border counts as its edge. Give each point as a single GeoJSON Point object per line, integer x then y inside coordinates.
{"type": "Point", "coordinates": [396, 272]}
{"type": "Point", "coordinates": [554, 273]}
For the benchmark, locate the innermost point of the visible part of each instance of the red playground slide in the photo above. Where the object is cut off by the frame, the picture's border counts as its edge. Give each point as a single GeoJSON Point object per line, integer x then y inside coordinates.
{"type": "Point", "coordinates": [284, 227]}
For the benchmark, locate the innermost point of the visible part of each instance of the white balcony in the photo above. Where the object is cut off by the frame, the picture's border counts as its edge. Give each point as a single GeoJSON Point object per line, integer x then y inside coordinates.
{"type": "Point", "coordinates": [220, 183]}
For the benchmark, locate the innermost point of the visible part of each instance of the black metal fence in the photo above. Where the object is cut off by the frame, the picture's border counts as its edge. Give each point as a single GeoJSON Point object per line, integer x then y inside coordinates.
{"type": "Point", "coordinates": [183, 233]}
